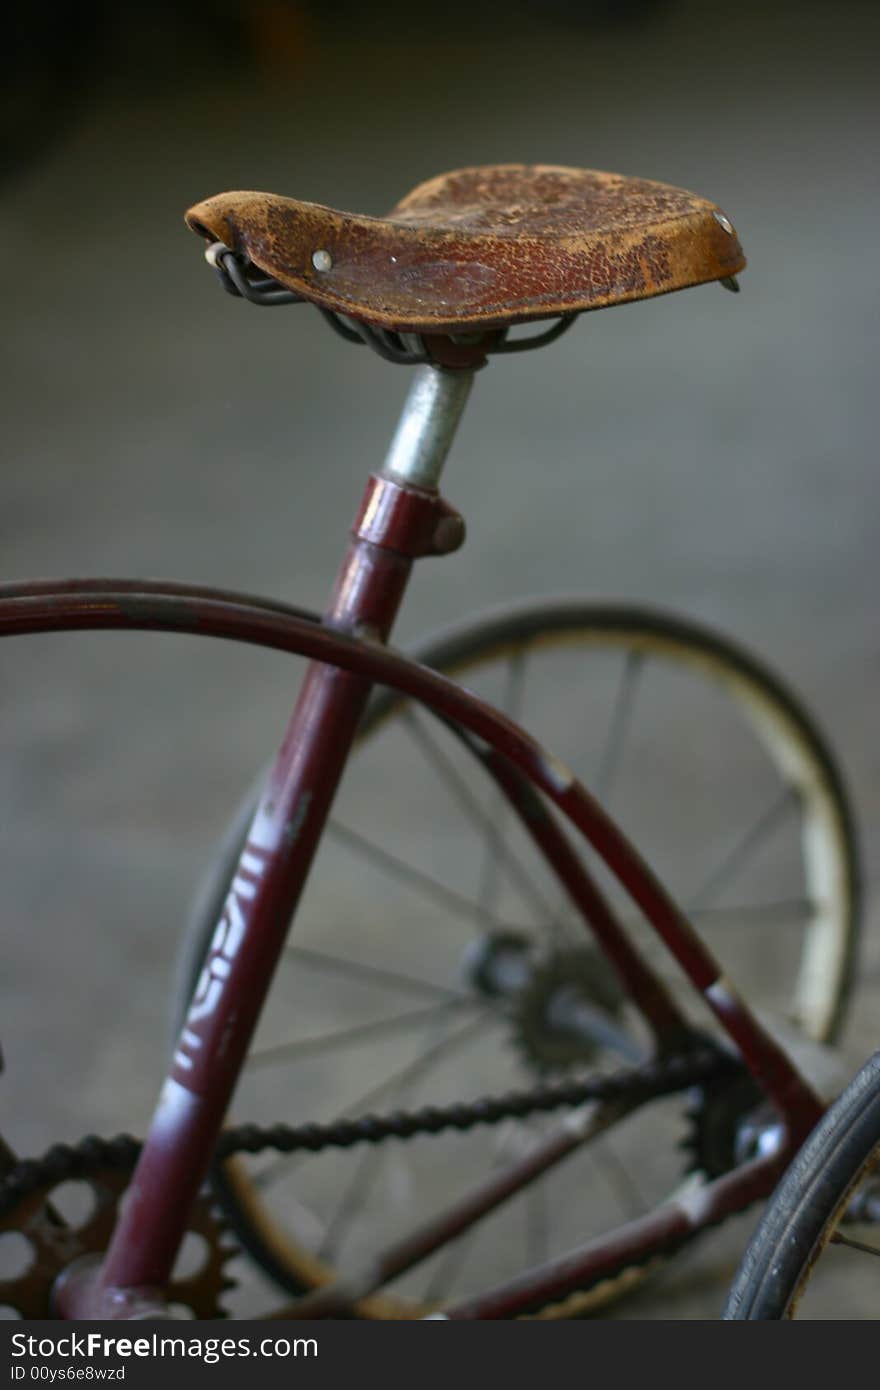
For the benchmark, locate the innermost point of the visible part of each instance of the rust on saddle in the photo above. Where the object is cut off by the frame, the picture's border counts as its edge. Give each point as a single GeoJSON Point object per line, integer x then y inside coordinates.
{"type": "Point", "coordinates": [483, 248]}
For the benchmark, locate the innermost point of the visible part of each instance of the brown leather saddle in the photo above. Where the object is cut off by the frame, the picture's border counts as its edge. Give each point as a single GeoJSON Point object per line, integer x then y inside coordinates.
{"type": "Point", "coordinates": [482, 248]}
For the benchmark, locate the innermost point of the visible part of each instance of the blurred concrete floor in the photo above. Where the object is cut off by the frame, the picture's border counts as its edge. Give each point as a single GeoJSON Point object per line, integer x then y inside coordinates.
{"type": "Point", "coordinates": [715, 454]}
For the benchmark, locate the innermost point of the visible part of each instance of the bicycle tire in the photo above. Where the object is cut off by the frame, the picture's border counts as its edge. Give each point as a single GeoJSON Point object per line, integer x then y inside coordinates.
{"type": "Point", "coordinates": [804, 1212]}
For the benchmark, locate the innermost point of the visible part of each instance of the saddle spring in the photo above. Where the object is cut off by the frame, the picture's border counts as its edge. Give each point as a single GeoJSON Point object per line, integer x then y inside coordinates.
{"type": "Point", "coordinates": [241, 278]}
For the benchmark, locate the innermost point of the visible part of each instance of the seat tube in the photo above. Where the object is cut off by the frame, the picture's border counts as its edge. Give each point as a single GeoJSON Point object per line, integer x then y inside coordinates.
{"type": "Point", "coordinates": [402, 517]}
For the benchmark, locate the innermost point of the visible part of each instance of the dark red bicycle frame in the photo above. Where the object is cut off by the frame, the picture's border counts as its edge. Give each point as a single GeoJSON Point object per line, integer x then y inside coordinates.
{"type": "Point", "coordinates": [397, 523]}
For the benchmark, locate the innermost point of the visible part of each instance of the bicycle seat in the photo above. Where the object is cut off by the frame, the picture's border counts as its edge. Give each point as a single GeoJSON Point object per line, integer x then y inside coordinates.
{"type": "Point", "coordinates": [484, 247]}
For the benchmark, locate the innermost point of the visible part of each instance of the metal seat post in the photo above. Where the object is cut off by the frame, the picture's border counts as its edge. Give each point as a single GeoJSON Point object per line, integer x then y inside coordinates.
{"type": "Point", "coordinates": [433, 407]}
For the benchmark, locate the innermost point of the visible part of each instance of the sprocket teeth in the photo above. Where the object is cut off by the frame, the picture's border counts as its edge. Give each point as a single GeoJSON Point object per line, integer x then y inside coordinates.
{"type": "Point", "coordinates": [584, 970]}
{"type": "Point", "coordinates": [105, 1166]}
{"type": "Point", "coordinates": [712, 1118]}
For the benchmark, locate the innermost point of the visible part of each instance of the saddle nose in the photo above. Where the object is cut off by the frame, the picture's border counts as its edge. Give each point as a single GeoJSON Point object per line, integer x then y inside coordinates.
{"type": "Point", "coordinates": [240, 220]}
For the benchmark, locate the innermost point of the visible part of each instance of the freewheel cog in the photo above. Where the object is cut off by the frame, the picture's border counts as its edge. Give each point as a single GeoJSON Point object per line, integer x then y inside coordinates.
{"type": "Point", "coordinates": [568, 1008]}
{"type": "Point", "coordinates": [717, 1118]}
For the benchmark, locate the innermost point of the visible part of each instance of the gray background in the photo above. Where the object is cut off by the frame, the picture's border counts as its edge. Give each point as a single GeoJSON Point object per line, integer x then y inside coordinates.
{"type": "Point", "coordinates": [715, 454]}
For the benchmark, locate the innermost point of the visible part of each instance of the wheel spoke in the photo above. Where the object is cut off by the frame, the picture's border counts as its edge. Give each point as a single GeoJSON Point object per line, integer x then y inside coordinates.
{"type": "Point", "coordinates": [495, 819]}
{"type": "Point", "coordinates": [787, 911]}
{"type": "Point", "coordinates": [610, 758]}
{"type": "Point", "coordinates": [465, 797]}
{"type": "Point", "coordinates": [413, 1071]}
{"type": "Point", "coordinates": [619, 724]}
{"type": "Point", "coordinates": [496, 816]}
{"type": "Point", "coordinates": [370, 974]}
{"type": "Point", "coordinates": [743, 849]}
{"type": "Point", "coordinates": [361, 1179]}
{"type": "Point", "coordinates": [619, 1179]}
{"type": "Point", "coordinates": [415, 878]}
{"type": "Point", "coordinates": [537, 1224]}
{"type": "Point", "coordinates": [347, 1037]}
{"type": "Point", "coordinates": [450, 1265]}
{"type": "Point", "coordinates": [838, 1239]}
{"type": "Point", "coordinates": [366, 1171]}
{"type": "Point", "coordinates": [405, 1075]}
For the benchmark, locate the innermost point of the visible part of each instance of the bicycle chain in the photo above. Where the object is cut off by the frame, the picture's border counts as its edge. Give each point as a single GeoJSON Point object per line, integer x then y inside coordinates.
{"type": "Point", "coordinates": [662, 1077]}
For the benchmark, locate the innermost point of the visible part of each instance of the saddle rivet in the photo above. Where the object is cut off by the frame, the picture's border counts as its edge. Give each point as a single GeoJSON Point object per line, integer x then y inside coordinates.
{"type": "Point", "coordinates": [322, 260]}
{"type": "Point", "coordinates": [724, 222]}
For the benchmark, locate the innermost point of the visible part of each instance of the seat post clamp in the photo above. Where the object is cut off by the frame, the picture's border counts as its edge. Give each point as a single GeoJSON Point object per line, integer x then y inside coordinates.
{"type": "Point", "coordinates": [409, 520]}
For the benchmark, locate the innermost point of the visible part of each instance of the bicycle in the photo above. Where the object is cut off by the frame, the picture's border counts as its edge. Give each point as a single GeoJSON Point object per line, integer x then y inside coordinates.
{"type": "Point", "coordinates": [438, 286]}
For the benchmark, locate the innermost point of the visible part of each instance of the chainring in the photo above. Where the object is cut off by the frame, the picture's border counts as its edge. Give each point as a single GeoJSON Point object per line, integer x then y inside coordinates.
{"type": "Point", "coordinates": [53, 1243]}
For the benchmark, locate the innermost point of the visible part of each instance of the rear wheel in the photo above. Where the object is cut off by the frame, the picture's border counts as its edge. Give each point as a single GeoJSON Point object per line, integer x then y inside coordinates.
{"type": "Point", "coordinates": [384, 998]}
